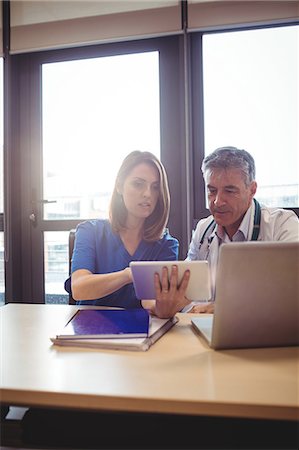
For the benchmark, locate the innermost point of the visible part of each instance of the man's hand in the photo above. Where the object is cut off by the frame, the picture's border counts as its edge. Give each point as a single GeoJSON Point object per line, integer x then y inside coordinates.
{"type": "Point", "coordinates": [170, 297]}
{"type": "Point", "coordinates": [208, 308]}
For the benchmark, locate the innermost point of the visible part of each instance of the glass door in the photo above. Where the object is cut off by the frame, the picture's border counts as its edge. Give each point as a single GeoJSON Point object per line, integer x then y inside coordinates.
{"type": "Point", "coordinates": [94, 112]}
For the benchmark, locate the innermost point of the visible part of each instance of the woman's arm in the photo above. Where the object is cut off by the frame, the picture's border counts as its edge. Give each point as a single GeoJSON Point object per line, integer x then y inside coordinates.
{"type": "Point", "coordinates": [89, 286]}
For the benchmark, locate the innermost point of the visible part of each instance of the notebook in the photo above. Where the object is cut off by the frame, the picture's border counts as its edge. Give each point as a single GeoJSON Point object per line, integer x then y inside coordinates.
{"type": "Point", "coordinates": [199, 286]}
{"type": "Point", "coordinates": [158, 327]}
{"type": "Point", "coordinates": [256, 303]}
{"type": "Point", "coordinates": [105, 323]}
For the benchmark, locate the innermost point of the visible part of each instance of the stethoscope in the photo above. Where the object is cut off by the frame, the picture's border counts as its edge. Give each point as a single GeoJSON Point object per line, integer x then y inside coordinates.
{"type": "Point", "coordinates": [255, 232]}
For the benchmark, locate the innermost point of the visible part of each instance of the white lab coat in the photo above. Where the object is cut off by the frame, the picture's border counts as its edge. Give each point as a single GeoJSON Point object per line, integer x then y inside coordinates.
{"type": "Point", "coordinates": [276, 225]}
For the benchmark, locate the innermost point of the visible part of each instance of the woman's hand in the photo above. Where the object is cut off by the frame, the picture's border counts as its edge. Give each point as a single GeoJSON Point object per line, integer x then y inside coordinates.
{"type": "Point", "coordinates": [170, 297]}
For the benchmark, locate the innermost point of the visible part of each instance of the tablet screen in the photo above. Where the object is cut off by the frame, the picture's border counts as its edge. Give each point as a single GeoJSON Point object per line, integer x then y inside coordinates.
{"type": "Point", "coordinates": [199, 287]}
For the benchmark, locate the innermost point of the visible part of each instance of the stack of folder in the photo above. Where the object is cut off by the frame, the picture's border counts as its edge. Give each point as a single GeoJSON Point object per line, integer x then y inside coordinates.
{"type": "Point", "coordinates": [132, 329]}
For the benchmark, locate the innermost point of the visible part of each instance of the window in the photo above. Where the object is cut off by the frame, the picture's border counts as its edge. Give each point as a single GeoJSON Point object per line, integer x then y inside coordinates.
{"type": "Point", "coordinates": [251, 101]}
{"type": "Point", "coordinates": [56, 257]}
{"type": "Point", "coordinates": [95, 111]}
{"type": "Point", "coordinates": [78, 111]}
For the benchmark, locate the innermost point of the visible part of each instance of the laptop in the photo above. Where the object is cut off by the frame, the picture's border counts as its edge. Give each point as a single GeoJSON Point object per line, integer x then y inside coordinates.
{"type": "Point", "coordinates": [257, 297]}
{"type": "Point", "coordinates": [199, 286]}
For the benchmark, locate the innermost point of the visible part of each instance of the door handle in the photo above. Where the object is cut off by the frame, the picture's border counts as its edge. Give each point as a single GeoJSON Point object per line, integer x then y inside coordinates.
{"type": "Point", "coordinates": [45, 201]}
{"type": "Point", "coordinates": [32, 218]}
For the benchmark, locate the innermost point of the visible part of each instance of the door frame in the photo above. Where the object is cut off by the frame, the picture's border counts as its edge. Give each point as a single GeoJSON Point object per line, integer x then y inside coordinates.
{"type": "Point", "coordinates": [26, 169]}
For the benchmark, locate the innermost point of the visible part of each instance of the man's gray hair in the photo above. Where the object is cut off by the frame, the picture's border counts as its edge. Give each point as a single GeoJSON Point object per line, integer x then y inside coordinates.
{"type": "Point", "coordinates": [230, 158]}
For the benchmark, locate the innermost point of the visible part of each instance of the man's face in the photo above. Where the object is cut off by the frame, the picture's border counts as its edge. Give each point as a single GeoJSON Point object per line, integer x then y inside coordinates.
{"type": "Point", "coordinates": [229, 197]}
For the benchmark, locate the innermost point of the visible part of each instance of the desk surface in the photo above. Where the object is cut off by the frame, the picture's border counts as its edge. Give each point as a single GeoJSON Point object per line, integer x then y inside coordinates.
{"type": "Point", "coordinates": [178, 374]}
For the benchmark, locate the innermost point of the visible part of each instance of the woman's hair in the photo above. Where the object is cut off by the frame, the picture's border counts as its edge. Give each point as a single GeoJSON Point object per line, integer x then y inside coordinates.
{"type": "Point", "coordinates": [154, 225]}
{"type": "Point", "coordinates": [231, 158]}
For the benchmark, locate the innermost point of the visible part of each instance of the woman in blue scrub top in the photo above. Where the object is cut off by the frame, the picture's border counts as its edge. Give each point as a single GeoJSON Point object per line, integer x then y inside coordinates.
{"type": "Point", "coordinates": [139, 210]}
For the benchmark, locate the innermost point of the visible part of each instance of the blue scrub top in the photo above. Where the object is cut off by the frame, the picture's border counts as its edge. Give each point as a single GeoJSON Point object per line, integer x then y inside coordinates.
{"type": "Point", "coordinates": [98, 249]}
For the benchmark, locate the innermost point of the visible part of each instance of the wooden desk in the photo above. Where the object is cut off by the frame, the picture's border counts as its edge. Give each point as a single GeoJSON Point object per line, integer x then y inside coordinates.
{"type": "Point", "coordinates": [179, 374]}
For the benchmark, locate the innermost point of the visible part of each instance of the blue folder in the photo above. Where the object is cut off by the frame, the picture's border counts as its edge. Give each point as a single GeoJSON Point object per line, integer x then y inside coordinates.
{"type": "Point", "coordinates": [107, 323]}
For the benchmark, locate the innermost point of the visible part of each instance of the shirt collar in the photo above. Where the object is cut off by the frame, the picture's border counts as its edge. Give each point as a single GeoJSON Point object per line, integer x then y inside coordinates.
{"type": "Point", "coordinates": [243, 231]}
{"type": "Point", "coordinates": [245, 224]}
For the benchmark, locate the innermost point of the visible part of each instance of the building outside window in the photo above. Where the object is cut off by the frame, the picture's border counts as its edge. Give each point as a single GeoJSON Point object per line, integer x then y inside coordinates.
{"type": "Point", "coordinates": [95, 112]}
{"type": "Point", "coordinates": [251, 101]}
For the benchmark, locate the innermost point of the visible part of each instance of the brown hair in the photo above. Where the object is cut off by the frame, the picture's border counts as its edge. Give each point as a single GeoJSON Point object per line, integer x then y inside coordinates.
{"type": "Point", "coordinates": [154, 225]}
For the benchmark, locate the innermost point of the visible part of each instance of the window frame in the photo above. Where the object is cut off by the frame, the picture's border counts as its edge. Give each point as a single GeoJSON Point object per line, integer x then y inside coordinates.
{"type": "Point", "coordinates": [197, 104]}
{"type": "Point", "coordinates": [181, 115]}
{"type": "Point", "coordinates": [25, 136]}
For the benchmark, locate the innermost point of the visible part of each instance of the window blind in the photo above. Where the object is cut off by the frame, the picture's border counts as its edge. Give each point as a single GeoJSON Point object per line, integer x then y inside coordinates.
{"type": "Point", "coordinates": [51, 24]}
{"type": "Point", "coordinates": [209, 14]}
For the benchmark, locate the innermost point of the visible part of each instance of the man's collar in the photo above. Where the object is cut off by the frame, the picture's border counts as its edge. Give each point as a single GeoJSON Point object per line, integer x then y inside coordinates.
{"type": "Point", "coordinates": [243, 227]}
{"type": "Point", "coordinates": [245, 224]}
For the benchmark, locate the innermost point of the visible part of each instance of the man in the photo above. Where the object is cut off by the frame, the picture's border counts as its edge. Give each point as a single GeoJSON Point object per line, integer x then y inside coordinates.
{"type": "Point", "coordinates": [229, 175]}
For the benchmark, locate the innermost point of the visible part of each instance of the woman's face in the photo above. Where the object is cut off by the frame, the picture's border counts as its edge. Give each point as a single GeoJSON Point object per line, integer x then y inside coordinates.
{"type": "Point", "coordinates": [141, 190]}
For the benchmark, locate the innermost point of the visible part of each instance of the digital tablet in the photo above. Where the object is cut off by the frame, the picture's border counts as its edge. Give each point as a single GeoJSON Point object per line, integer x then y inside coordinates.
{"type": "Point", "coordinates": [199, 287]}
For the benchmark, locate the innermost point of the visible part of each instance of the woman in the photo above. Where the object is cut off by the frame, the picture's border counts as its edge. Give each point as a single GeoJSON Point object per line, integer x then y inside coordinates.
{"type": "Point", "coordinates": [135, 230]}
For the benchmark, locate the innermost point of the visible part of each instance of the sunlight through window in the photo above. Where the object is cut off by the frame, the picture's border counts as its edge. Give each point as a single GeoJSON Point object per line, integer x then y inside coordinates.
{"type": "Point", "coordinates": [251, 101]}
{"type": "Point", "coordinates": [95, 112]}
